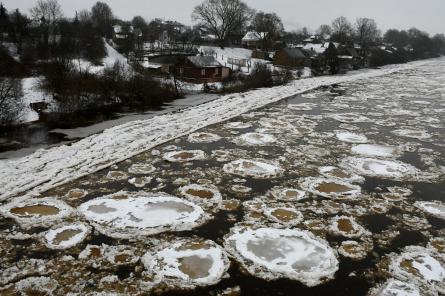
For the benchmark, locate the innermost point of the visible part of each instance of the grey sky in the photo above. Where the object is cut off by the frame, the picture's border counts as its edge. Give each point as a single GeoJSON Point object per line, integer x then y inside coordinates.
{"type": "Point", "coordinates": [427, 15]}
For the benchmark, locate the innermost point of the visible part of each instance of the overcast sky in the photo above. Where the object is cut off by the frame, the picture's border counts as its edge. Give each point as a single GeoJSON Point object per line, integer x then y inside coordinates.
{"type": "Point", "coordinates": [427, 15]}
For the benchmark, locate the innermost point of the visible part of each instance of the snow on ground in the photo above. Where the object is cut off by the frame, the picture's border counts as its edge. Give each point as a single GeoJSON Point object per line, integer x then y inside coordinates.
{"type": "Point", "coordinates": [45, 169]}
{"type": "Point", "coordinates": [32, 94]}
{"type": "Point", "coordinates": [110, 59]}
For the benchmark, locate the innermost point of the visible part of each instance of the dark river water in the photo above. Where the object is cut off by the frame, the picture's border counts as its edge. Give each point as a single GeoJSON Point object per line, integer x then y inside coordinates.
{"type": "Point", "coordinates": [54, 129]}
{"type": "Point", "coordinates": [385, 137]}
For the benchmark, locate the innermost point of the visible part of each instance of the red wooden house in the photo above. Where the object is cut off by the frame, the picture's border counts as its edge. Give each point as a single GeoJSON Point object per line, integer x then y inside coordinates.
{"type": "Point", "coordinates": [201, 69]}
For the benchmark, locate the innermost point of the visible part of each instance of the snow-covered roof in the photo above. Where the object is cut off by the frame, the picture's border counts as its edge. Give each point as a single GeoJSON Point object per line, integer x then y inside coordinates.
{"type": "Point", "coordinates": [204, 61]}
{"type": "Point", "coordinates": [253, 36]}
{"type": "Point", "coordinates": [294, 53]}
{"type": "Point", "coordinates": [117, 29]}
{"type": "Point", "coordinates": [317, 47]}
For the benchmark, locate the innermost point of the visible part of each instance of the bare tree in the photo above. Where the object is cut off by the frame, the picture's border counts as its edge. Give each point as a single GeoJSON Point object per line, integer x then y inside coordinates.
{"type": "Point", "coordinates": [222, 17]}
{"type": "Point", "coordinates": [324, 31]}
{"type": "Point", "coordinates": [366, 31]}
{"type": "Point", "coordinates": [267, 27]}
{"type": "Point", "coordinates": [84, 16]}
{"type": "Point", "coordinates": [47, 13]}
{"type": "Point", "coordinates": [341, 30]}
{"type": "Point", "coordinates": [102, 17]}
{"type": "Point", "coordinates": [11, 105]}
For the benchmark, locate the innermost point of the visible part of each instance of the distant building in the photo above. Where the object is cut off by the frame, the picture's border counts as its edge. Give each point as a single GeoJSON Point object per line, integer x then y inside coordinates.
{"type": "Point", "coordinates": [122, 31]}
{"type": "Point", "coordinates": [291, 58]}
{"type": "Point", "coordinates": [252, 40]}
{"type": "Point", "coordinates": [348, 58]}
{"type": "Point", "coordinates": [201, 69]}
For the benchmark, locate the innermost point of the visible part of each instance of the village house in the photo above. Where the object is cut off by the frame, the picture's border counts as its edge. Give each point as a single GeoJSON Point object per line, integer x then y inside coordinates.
{"type": "Point", "coordinates": [252, 40]}
{"type": "Point", "coordinates": [348, 58]}
{"type": "Point", "coordinates": [291, 58]}
{"type": "Point", "coordinates": [122, 31]}
{"type": "Point", "coordinates": [201, 69]}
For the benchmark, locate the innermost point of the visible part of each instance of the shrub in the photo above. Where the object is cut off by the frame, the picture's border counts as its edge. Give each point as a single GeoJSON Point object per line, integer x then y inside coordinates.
{"type": "Point", "coordinates": [11, 104]}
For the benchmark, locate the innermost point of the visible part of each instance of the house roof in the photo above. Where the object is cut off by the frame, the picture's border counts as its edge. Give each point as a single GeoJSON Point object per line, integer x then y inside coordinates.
{"type": "Point", "coordinates": [316, 47]}
{"type": "Point", "coordinates": [294, 53]}
{"type": "Point", "coordinates": [204, 61]}
{"type": "Point", "coordinates": [253, 36]}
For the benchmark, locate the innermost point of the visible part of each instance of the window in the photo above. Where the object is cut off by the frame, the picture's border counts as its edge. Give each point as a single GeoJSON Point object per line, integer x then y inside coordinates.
{"type": "Point", "coordinates": [181, 71]}
{"type": "Point", "coordinates": [216, 71]}
{"type": "Point", "coordinates": [203, 72]}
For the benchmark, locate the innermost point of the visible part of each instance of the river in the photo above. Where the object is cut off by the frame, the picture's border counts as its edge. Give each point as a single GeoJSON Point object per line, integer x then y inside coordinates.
{"type": "Point", "coordinates": [337, 191]}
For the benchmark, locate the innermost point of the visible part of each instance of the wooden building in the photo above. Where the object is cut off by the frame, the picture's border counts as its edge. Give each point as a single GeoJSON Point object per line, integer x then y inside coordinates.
{"type": "Point", "coordinates": [291, 58]}
{"type": "Point", "coordinates": [201, 69]}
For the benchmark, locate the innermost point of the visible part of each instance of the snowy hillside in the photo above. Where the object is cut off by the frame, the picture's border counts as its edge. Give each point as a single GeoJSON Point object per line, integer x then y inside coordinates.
{"type": "Point", "coordinates": [112, 56]}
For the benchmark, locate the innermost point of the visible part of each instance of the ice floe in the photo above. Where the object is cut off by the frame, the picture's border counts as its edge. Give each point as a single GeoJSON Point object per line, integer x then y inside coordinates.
{"type": "Point", "coordinates": [380, 168]}
{"type": "Point", "coordinates": [330, 188]}
{"type": "Point", "coordinates": [203, 138]}
{"type": "Point", "coordinates": [394, 287]}
{"type": "Point", "coordinates": [271, 253]}
{"type": "Point", "coordinates": [350, 118]}
{"type": "Point", "coordinates": [283, 215]}
{"type": "Point", "coordinates": [184, 156]}
{"type": "Point", "coordinates": [347, 227]}
{"type": "Point", "coordinates": [117, 175]}
{"type": "Point", "coordinates": [376, 150]}
{"type": "Point", "coordinates": [338, 173]}
{"type": "Point", "coordinates": [353, 250]}
{"type": "Point", "coordinates": [412, 133]}
{"type": "Point", "coordinates": [287, 194]}
{"type": "Point", "coordinates": [255, 139]}
{"type": "Point", "coordinates": [140, 182]}
{"type": "Point", "coordinates": [202, 194]}
{"type": "Point", "coordinates": [133, 215]}
{"type": "Point", "coordinates": [302, 106]}
{"type": "Point", "coordinates": [238, 125]}
{"type": "Point", "coordinates": [353, 138]}
{"type": "Point", "coordinates": [65, 237]}
{"type": "Point", "coordinates": [141, 169]}
{"type": "Point", "coordinates": [420, 266]}
{"type": "Point", "coordinates": [433, 208]}
{"type": "Point", "coordinates": [36, 286]}
{"type": "Point", "coordinates": [37, 212]}
{"type": "Point", "coordinates": [76, 194]}
{"type": "Point", "coordinates": [253, 168]}
{"type": "Point", "coordinates": [187, 263]}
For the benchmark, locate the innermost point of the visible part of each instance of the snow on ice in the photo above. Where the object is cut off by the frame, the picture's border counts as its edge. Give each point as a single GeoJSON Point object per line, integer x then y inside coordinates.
{"type": "Point", "coordinates": [271, 253]}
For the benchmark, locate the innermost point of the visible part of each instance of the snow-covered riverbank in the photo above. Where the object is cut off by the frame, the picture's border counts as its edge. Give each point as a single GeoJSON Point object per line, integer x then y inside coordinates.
{"type": "Point", "coordinates": [47, 168]}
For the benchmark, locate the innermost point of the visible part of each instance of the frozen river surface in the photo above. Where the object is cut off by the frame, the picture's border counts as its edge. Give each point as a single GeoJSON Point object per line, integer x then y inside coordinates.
{"type": "Point", "coordinates": [335, 191]}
